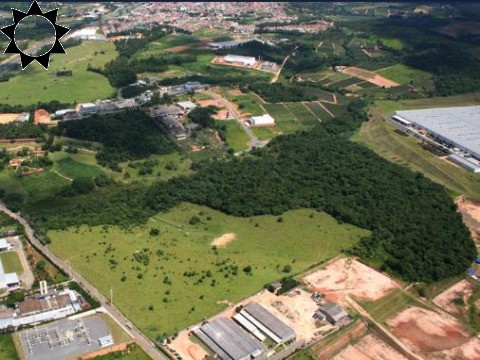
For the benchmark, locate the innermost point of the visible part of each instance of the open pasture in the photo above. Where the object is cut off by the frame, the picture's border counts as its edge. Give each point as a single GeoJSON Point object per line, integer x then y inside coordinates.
{"type": "Point", "coordinates": [37, 85]}
{"type": "Point", "coordinates": [181, 277]}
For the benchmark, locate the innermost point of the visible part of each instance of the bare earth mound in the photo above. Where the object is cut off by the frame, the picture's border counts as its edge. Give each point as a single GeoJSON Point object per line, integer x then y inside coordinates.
{"type": "Point", "coordinates": [470, 211]}
{"type": "Point", "coordinates": [224, 240]}
{"type": "Point", "coordinates": [350, 277]}
{"type": "Point", "coordinates": [445, 300]}
{"type": "Point", "coordinates": [427, 331]}
{"type": "Point", "coordinates": [369, 348]}
{"type": "Point", "coordinates": [370, 76]}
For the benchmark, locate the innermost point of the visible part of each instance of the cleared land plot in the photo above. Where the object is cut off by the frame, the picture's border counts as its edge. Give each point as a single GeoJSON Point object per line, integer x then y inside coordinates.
{"type": "Point", "coordinates": [37, 85]}
{"type": "Point", "coordinates": [284, 119]}
{"type": "Point", "coordinates": [405, 75]}
{"type": "Point", "coordinates": [180, 276]}
{"type": "Point", "coordinates": [382, 137]}
{"type": "Point", "coordinates": [449, 299]}
{"type": "Point", "coordinates": [470, 211]}
{"type": "Point", "coordinates": [369, 347]}
{"type": "Point", "coordinates": [390, 304]}
{"type": "Point", "coordinates": [133, 352]}
{"type": "Point", "coordinates": [426, 331]}
{"type": "Point", "coordinates": [7, 348]}
{"type": "Point", "coordinates": [236, 137]}
{"type": "Point", "coordinates": [370, 76]}
{"type": "Point", "coordinates": [347, 276]}
{"type": "Point", "coordinates": [11, 262]}
{"type": "Point", "coordinates": [8, 118]}
{"type": "Point", "coordinates": [303, 114]}
{"type": "Point", "coordinates": [318, 110]}
{"type": "Point", "coordinates": [468, 351]}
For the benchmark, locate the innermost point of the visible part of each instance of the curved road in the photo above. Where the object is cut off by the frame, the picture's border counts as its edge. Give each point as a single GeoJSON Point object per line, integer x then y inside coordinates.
{"type": "Point", "coordinates": [147, 345]}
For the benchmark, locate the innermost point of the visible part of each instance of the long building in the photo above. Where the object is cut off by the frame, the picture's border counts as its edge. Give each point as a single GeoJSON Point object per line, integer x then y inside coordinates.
{"type": "Point", "coordinates": [268, 323]}
{"type": "Point", "coordinates": [456, 126]}
{"type": "Point", "coordinates": [228, 340]}
{"type": "Point", "coordinates": [238, 59]}
{"type": "Point", "coordinates": [7, 280]}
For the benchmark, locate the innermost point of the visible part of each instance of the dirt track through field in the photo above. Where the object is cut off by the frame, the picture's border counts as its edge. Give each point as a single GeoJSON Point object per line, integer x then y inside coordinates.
{"type": "Point", "coordinates": [224, 240]}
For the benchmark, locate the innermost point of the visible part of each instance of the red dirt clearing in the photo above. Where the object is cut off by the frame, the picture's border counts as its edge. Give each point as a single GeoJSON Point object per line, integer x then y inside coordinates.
{"type": "Point", "coordinates": [470, 211]}
{"type": "Point", "coordinates": [468, 351]}
{"type": "Point", "coordinates": [427, 331]}
{"type": "Point", "coordinates": [369, 347]}
{"type": "Point", "coordinates": [445, 300]}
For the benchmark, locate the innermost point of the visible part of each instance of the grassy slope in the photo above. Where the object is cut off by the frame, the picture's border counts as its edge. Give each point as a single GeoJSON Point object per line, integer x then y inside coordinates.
{"type": "Point", "coordinates": [135, 352]}
{"type": "Point", "coordinates": [11, 262]}
{"type": "Point", "coordinates": [389, 305]}
{"type": "Point", "coordinates": [299, 241]}
{"type": "Point", "coordinates": [7, 348]}
{"type": "Point", "coordinates": [236, 137]}
{"type": "Point", "coordinates": [36, 84]}
{"type": "Point", "coordinates": [381, 137]}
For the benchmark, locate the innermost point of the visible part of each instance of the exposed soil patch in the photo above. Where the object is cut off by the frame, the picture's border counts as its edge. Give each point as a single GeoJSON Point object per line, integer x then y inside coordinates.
{"type": "Point", "coordinates": [369, 347]}
{"type": "Point", "coordinates": [468, 351]}
{"type": "Point", "coordinates": [447, 300]}
{"type": "Point", "coordinates": [370, 76]}
{"type": "Point", "coordinates": [224, 240]}
{"type": "Point", "coordinates": [427, 331]}
{"type": "Point", "coordinates": [470, 210]}
{"type": "Point", "coordinates": [350, 277]}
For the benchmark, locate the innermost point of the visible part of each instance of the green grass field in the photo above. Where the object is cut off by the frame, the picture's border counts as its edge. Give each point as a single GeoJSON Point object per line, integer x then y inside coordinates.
{"type": "Point", "coordinates": [7, 348]}
{"type": "Point", "coordinates": [182, 279]}
{"type": "Point", "coordinates": [389, 305]}
{"type": "Point", "coordinates": [381, 137]}
{"type": "Point", "coordinates": [264, 132]}
{"type": "Point", "coordinates": [284, 119]}
{"type": "Point", "coordinates": [405, 75]}
{"type": "Point", "coordinates": [302, 113]}
{"type": "Point", "coordinates": [37, 85]}
{"type": "Point", "coordinates": [236, 137]}
{"type": "Point", "coordinates": [318, 110]}
{"type": "Point", "coordinates": [11, 262]}
{"type": "Point", "coordinates": [134, 352]}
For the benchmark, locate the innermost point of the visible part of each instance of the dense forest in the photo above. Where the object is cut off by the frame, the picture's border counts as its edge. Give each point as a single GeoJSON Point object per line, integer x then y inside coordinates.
{"type": "Point", "coordinates": [417, 233]}
{"type": "Point", "coordinates": [25, 129]}
{"type": "Point", "coordinates": [126, 136]}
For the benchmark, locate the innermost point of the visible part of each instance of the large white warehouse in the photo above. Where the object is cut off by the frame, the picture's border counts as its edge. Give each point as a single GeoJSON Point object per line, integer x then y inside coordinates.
{"type": "Point", "coordinates": [244, 60]}
{"type": "Point", "coordinates": [264, 120]}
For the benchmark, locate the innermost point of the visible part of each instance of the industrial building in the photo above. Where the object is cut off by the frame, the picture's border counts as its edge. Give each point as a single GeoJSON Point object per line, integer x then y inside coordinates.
{"type": "Point", "coordinates": [5, 245]}
{"type": "Point", "coordinates": [263, 120]}
{"type": "Point", "coordinates": [223, 44]}
{"type": "Point", "coordinates": [268, 323]}
{"type": "Point", "coordinates": [456, 130]}
{"type": "Point", "coordinates": [333, 313]}
{"type": "Point", "coordinates": [228, 340]}
{"type": "Point", "coordinates": [186, 105]}
{"type": "Point", "coordinates": [242, 60]}
{"type": "Point", "coordinates": [8, 280]}
{"type": "Point", "coordinates": [87, 108]}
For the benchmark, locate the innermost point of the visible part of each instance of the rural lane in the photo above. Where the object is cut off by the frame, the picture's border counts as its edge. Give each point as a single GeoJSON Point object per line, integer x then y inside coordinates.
{"type": "Point", "coordinates": [147, 345]}
{"type": "Point", "coordinates": [254, 141]}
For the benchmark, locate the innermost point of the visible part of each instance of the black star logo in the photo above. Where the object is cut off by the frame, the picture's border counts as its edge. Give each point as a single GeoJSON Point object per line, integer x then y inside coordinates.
{"type": "Point", "coordinates": [43, 59]}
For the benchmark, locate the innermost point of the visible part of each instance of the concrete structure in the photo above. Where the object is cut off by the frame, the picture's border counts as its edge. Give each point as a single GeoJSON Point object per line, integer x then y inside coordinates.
{"type": "Point", "coordinates": [263, 120]}
{"type": "Point", "coordinates": [333, 313]}
{"type": "Point", "coordinates": [41, 308]}
{"type": "Point", "coordinates": [5, 245]}
{"type": "Point", "coordinates": [224, 44]}
{"type": "Point", "coordinates": [455, 127]}
{"type": "Point", "coordinates": [186, 105]}
{"type": "Point", "coordinates": [106, 341]}
{"type": "Point", "coordinates": [238, 59]}
{"type": "Point", "coordinates": [267, 323]}
{"type": "Point", "coordinates": [228, 340]}
{"type": "Point", "coordinates": [7, 280]}
{"type": "Point", "coordinates": [87, 108]}
{"type": "Point", "coordinates": [65, 339]}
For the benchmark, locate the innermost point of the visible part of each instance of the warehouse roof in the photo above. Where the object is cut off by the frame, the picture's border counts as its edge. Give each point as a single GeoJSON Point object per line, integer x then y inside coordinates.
{"type": "Point", "coordinates": [459, 125]}
{"type": "Point", "coordinates": [270, 321]}
{"type": "Point", "coordinates": [230, 338]}
{"type": "Point", "coordinates": [239, 58]}
{"type": "Point", "coordinates": [334, 311]}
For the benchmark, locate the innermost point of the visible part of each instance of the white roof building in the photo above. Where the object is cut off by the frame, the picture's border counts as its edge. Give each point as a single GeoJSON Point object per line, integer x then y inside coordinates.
{"type": "Point", "coordinates": [7, 280]}
{"type": "Point", "coordinates": [187, 105]}
{"type": "Point", "coordinates": [245, 60]}
{"type": "Point", "coordinates": [264, 120]}
{"type": "Point", "coordinates": [5, 245]}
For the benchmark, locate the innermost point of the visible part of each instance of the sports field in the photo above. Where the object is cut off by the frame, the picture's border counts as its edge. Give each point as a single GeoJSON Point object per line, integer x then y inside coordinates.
{"type": "Point", "coordinates": [7, 348]}
{"type": "Point", "coordinates": [35, 84]}
{"type": "Point", "coordinates": [381, 137]}
{"type": "Point", "coordinates": [11, 262]}
{"type": "Point", "coordinates": [181, 276]}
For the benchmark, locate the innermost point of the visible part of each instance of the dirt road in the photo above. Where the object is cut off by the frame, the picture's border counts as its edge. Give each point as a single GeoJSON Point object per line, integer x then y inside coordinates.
{"type": "Point", "coordinates": [147, 345]}
{"type": "Point", "coordinates": [277, 75]}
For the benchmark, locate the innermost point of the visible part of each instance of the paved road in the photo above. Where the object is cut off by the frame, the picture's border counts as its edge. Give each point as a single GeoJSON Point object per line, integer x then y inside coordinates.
{"type": "Point", "coordinates": [147, 345]}
{"type": "Point", "coordinates": [253, 140]}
